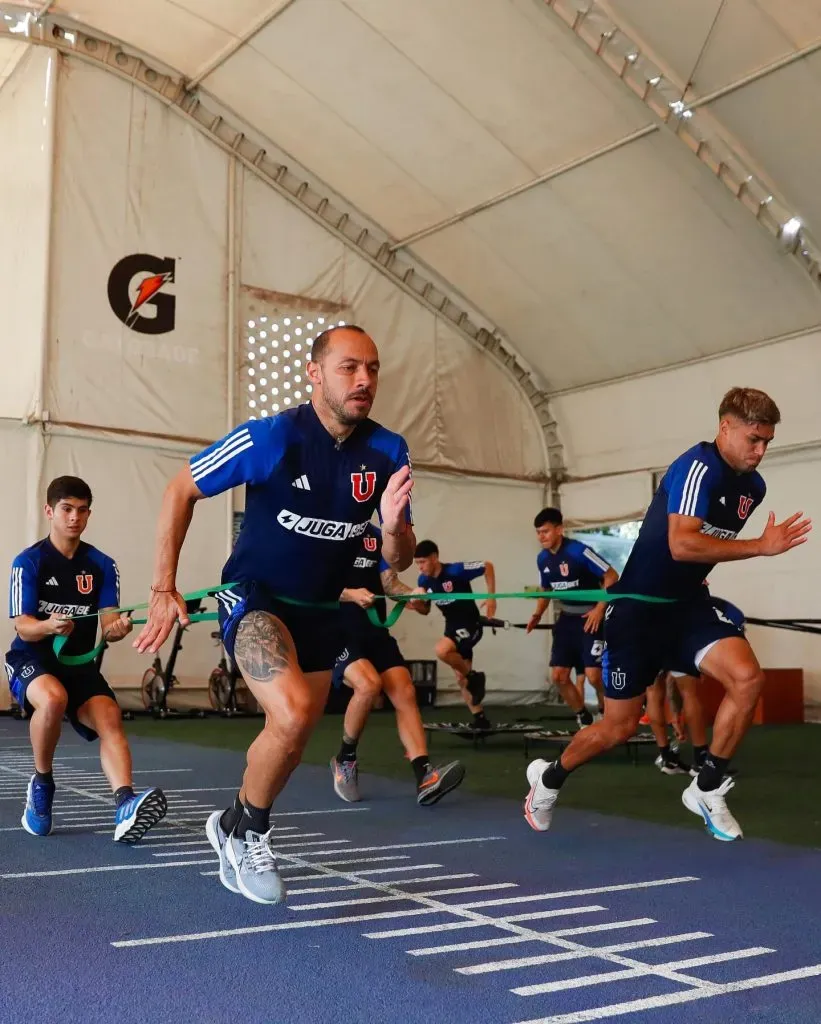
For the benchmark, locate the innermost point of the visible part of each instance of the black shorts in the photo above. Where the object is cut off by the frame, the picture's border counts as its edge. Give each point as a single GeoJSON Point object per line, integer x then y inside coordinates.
{"type": "Point", "coordinates": [465, 638]}
{"type": "Point", "coordinates": [316, 632]}
{"type": "Point", "coordinates": [375, 645]}
{"type": "Point", "coordinates": [572, 647]}
{"type": "Point", "coordinates": [81, 683]}
{"type": "Point", "coordinates": [640, 640]}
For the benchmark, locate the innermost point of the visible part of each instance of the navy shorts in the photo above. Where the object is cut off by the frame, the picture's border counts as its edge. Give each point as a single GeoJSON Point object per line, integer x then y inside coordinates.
{"type": "Point", "coordinates": [81, 683]}
{"type": "Point", "coordinates": [465, 638]}
{"type": "Point", "coordinates": [572, 647]}
{"type": "Point", "coordinates": [373, 644]}
{"type": "Point", "coordinates": [316, 632]}
{"type": "Point", "coordinates": [641, 640]}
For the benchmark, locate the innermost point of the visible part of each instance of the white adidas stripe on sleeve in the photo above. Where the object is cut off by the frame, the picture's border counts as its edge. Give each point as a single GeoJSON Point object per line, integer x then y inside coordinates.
{"type": "Point", "coordinates": [596, 560]}
{"type": "Point", "coordinates": [230, 448]}
{"type": "Point", "coordinates": [690, 492]}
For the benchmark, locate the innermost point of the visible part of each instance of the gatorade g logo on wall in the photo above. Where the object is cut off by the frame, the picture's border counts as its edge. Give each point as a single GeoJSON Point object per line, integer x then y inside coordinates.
{"type": "Point", "coordinates": [137, 293]}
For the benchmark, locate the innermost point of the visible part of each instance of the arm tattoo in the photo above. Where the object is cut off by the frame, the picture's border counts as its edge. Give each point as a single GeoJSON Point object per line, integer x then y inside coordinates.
{"type": "Point", "coordinates": [391, 584]}
{"type": "Point", "coordinates": [260, 649]}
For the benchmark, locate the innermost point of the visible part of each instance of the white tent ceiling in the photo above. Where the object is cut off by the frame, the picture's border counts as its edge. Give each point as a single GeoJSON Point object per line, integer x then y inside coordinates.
{"type": "Point", "coordinates": [424, 115]}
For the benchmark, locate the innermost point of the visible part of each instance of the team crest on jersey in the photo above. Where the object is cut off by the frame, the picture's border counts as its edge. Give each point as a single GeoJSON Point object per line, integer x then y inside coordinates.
{"type": "Point", "coordinates": [447, 586]}
{"type": "Point", "coordinates": [744, 505]}
{"type": "Point", "coordinates": [564, 569]}
{"type": "Point", "coordinates": [364, 485]}
{"type": "Point", "coordinates": [85, 581]}
{"type": "Point", "coordinates": [370, 543]}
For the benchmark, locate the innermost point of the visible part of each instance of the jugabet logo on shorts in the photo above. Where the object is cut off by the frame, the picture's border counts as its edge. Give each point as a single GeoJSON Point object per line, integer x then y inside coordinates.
{"type": "Point", "coordinates": [137, 293]}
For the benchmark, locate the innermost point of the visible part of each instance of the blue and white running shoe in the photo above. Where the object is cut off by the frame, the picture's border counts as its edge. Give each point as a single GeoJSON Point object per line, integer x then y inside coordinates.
{"type": "Point", "coordinates": [712, 807]}
{"type": "Point", "coordinates": [36, 818]}
{"type": "Point", "coordinates": [138, 814]}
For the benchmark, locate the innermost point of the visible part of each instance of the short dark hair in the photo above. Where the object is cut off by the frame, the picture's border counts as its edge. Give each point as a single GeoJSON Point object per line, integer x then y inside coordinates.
{"type": "Point", "coordinates": [425, 548]}
{"type": "Point", "coordinates": [322, 341]}
{"type": "Point", "coordinates": [750, 406]}
{"type": "Point", "coordinates": [552, 516]}
{"type": "Point", "coordinates": [67, 487]}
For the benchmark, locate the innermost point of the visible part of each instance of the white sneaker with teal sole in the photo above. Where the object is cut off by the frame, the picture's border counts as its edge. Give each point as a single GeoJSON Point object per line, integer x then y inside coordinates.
{"type": "Point", "coordinates": [712, 807]}
{"type": "Point", "coordinates": [540, 800]}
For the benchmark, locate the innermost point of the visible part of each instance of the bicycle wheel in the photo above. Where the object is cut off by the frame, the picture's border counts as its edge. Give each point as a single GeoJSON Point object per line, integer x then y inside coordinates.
{"type": "Point", "coordinates": [152, 690]}
{"type": "Point", "coordinates": [219, 689]}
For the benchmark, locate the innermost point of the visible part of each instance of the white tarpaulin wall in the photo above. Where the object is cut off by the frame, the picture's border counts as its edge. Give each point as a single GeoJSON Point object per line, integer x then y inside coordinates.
{"type": "Point", "coordinates": [123, 408]}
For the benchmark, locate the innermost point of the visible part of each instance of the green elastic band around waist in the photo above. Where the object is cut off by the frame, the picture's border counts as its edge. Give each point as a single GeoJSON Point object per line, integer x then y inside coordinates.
{"type": "Point", "coordinates": [390, 620]}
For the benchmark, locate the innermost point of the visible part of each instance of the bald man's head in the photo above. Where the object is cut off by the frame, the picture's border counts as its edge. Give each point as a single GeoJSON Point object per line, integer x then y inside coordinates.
{"type": "Point", "coordinates": [344, 372]}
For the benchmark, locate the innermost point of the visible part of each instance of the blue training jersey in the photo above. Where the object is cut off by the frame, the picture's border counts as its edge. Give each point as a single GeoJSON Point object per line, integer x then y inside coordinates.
{"type": "Point", "coordinates": [366, 572]}
{"type": "Point", "coordinates": [574, 566]}
{"type": "Point", "coordinates": [455, 578]}
{"type": "Point", "coordinates": [308, 498]}
{"type": "Point", "coordinates": [44, 582]}
{"type": "Point", "coordinates": [699, 484]}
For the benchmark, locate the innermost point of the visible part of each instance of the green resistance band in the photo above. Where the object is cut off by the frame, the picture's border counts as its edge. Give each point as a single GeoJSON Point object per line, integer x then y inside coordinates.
{"type": "Point", "coordinates": [587, 596]}
{"type": "Point", "coordinates": [401, 600]}
{"type": "Point", "coordinates": [84, 659]}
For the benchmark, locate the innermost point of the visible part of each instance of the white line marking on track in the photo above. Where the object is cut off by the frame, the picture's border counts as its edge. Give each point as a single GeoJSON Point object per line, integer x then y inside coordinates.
{"type": "Point", "coordinates": [314, 889]}
{"type": "Point", "coordinates": [389, 899]}
{"type": "Point", "coordinates": [262, 928]}
{"type": "Point", "coordinates": [107, 867]}
{"type": "Point", "coordinates": [708, 991]}
{"type": "Point", "coordinates": [552, 958]}
{"type": "Point", "coordinates": [366, 860]}
{"type": "Point", "coordinates": [452, 926]}
{"type": "Point", "coordinates": [409, 846]}
{"type": "Point", "coordinates": [587, 980]}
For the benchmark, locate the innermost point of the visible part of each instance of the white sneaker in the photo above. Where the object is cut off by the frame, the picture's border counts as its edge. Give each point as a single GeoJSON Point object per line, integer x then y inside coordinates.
{"type": "Point", "coordinates": [540, 800]}
{"type": "Point", "coordinates": [219, 841]}
{"type": "Point", "coordinates": [255, 867]}
{"type": "Point", "coordinates": [713, 809]}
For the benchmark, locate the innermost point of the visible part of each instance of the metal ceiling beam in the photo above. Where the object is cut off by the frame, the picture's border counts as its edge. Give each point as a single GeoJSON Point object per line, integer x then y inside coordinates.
{"type": "Point", "coordinates": [237, 44]}
{"type": "Point", "coordinates": [596, 28]}
{"type": "Point", "coordinates": [502, 197]}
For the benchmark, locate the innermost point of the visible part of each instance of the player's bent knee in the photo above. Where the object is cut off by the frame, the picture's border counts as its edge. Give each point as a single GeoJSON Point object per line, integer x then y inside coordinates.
{"type": "Point", "coordinates": [443, 649]}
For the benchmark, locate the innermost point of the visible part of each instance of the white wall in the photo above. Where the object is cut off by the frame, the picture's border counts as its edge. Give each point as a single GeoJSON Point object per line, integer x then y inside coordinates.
{"type": "Point", "coordinates": [25, 166]}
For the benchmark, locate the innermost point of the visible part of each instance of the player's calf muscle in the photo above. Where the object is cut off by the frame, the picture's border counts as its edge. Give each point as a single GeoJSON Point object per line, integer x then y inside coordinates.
{"type": "Point", "coordinates": [261, 650]}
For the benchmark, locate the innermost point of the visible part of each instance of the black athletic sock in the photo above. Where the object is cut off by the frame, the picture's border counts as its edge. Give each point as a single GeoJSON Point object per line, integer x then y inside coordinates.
{"type": "Point", "coordinates": [554, 775]}
{"type": "Point", "coordinates": [254, 819]}
{"type": "Point", "coordinates": [347, 752]}
{"type": "Point", "coordinates": [665, 752]}
{"type": "Point", "coordinates": [712, 772]}
{"type": "Point", "coordinates": [421, 766]}
{"type": "Point", "coordinates": [699, 753]}
{"type": "Point", "coordinates": [584, 716]}
{"type": "Point", "coordinates": [44, 778]}
{"type": "Point", "coordinates": [230, 818]}
{"type": "Point", "coordinates": [122, 794]}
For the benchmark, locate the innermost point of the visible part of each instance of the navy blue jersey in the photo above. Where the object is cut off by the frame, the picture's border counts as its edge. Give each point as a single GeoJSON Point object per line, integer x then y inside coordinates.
{"type": "Point", "coordinates": [308, 498]}
{"type": "Point", "coordinates": [700, 484]}
{"type": "Point", "coordinates": [574, 566]}
{"type": "Point", "coordinates": [455, 578]}
{"type": "Point", "coordinates": [44, 582]}
{"type": "Point", "coordinates": [366, 572]}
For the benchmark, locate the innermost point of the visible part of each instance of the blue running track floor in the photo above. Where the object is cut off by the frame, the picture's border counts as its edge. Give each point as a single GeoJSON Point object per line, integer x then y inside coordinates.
{"type": "Point", "coordinates": [456, 913]}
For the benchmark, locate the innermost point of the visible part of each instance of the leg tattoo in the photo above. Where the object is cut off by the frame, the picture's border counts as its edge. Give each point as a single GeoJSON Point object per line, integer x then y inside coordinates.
{"type": "Point", "coordinates": [260, 649]}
